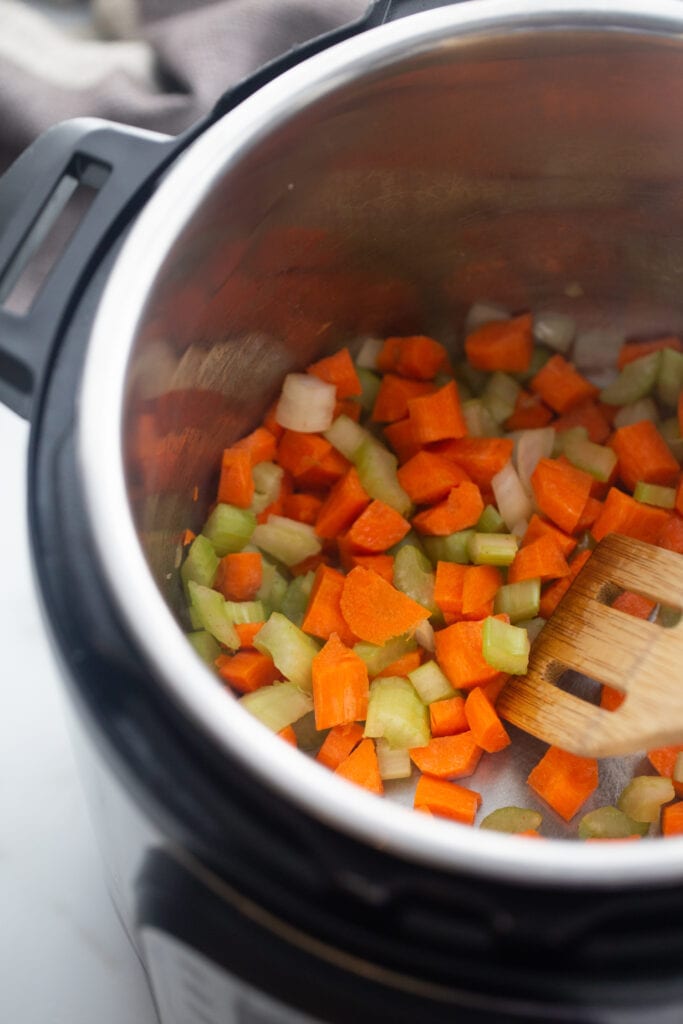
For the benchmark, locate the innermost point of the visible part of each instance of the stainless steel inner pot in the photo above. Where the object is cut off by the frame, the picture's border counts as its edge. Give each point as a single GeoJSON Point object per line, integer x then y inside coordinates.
{"type": "Point", "coordinates": [529, 154]}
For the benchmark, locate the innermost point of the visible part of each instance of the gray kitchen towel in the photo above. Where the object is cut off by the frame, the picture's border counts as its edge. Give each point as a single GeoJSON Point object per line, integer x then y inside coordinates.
{"type": "Point", "coordinates": [156, 64]}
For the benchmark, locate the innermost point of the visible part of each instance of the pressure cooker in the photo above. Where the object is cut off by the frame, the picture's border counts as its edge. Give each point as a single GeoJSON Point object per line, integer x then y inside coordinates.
{"type": "Point", "coordinates": [378, 180]}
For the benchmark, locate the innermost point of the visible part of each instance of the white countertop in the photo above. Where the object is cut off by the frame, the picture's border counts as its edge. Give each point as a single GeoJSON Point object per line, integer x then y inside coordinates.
{"type": "Point", "coordinates": [64, 957]}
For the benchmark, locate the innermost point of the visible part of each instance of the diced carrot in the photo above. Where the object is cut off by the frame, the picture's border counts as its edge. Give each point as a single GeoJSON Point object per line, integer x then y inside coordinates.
{"type": "Point", "coordinates": [349, 407]}
{"type": "Point", "coordinates": [561, 386]}
{"type": "Point", "coordinates": [289, 736]}
{"type": "Point", "coordinates": [187, 537]}
{"type": "Point", "coordinates": [382, 564]}
{"type": "Point", "coordinates": [247, 670]}
{"type": "Point", "coordinates": [631, 350]}
{"type": "Point", "coordinates": [362, 767]}
{"type": "Point", "coordinates": [236, 484]}
{"type": "Point", "coordinates": [634, 604]}
{"type": "Point", "coordinates": [338, 369]}
{"type": "Point", "coordinates": [671, 534]}
{"type": "Point", "coordinates": [447, 717]}
{"type": "Point", "coordinates": [239, 575]}
{"type": "Point", "coordinates": [428, 477]}
{"type": "Point", "coordinates": [393, 396]}
{"type": "Point", "coordinates": [310, 564]}
{"type": "Point", "coordinates": [542, 559]}
{"type": "Point", "coordinates": [672, 819]}
{"type": "Point", "coordinates": [324, 613]}
{"type": "Point", "coordinates": [501, 345]}
{"type": "Point", "coordinates": [623, 514]}
{"type": "Point", "coordinates": [481, 457]}
{"type": "Point", "coordinates": [611, 698]}
{"type": "Point", "coordinates": [679, 413]}
{"type": "Point", "coordinates": [437, 416]}
{"type": "Point", "coordinates": [311, 459]}
{"type": "Point", "coordinates": [448, 757]}
{"type": "Point", "coordinates": [589, 415]}
{"type": "Point", "coordinates": [415, 356]}
{"type": "Point", "coordinates": [564, 780]}
{"type": "Point", "coordinates": [459, 654]}
{"type": "Point", "coordinates": [480, 586]}
{"type": "Point", "coordinates": [542, 528]}
{"type": "Point", "coordinates": [340, 685]}
{"type": "Point", "coordinates": [591, 511]}
{"type": "Point", "coordinates": [261, 445]}
{"type": "Point", "coordinates": [403, 665]}
{"type": "Point", "coordinates": [462, 508]}
{"type": "Point", "coordinates": [643, 455]}
{"type": "Point", "coordinates": [449, 581]}
{"type": "Point", "coordinates": [374, 610]}
{"type": "Point", "coordinates": [378, 527]}
{"type": "Point", "coordinates": [302, 507]}
{"type": "Point", "coordinates": [663, 760]}
{"type": "Point", "coordinates": [401, 438]}
{"type": "Point", "coordinates": [530, 412]}
{"type": "Point", "coordinates": [345, 502]}
{"type": "Point", "coordinates": [484, 721]}
{"type": "Point", "coordinates": [554, 592]}
{"type": "Point", "coordinates": [339, 743]}
{"type": "Point", "coordinates": [447, 799]}
{"type": "Point", "coordinates": [561, 492]}
{"type": "Point", "coordinates": [495, 687]}
{"type": "Point", "coordinates": [246, 632]}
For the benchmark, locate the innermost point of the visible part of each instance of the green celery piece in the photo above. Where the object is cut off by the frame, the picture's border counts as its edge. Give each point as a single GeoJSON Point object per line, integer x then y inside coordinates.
{"type": "Point", "coordinates": [670, 431]}
{"type": "Point", "coordinates": [532, 626]}
{"type": "Point", "coordinates": [229, 528]}
{"type": "Point", "coordinates": [670, 377]}
{"type": "Point", "coordinates": [241, 612]}
{"type": "Point", "coordinates": [505, 647]}
{"type": "Point", "coordinates": [655, 494]}
{"type": "Point", "coordinates": [609, 823]}
{"type": "Point", "coordinates": [267, 484]}
{"type": "Point", "coordinates": [596, 459]}
{"type": "Point", "coordinates": [295, 600]}
{"type": "Point", "coordinates": [492, 548]}
{"type": "Point", "coordinates": [490, 521]}
{"type": "Point", "coordinates": [564, 437]}
{"type": "Point", "coordinates": [377, 658]}
{"type": "Point", "coordinates": [500, 395]}
{"type": "Point", "coordinates": [634, 412]}
{"type": "Point", "coordinates": [512, 819]}
{"type": "Point", "coordinates": [286, 539]}
{"type": "Point", "coordinates": [635, 381]}
{"type": "Point", "coordinates": [430, 683]}
{"type": "Point", "coordinates": [370, 383]}
{"type": "Point", "coordinates": [539, 357]}
{"type": "Point", "coordinates": [278, 705]}
{"type": "Point", "coordinates": [396, 712]}
{"type": "Point", "coordinates": [210, 608]}
{"type": "Point", "coordinates": [414, 576]}
{"type": "Point", "coordinates": [643, 797]}
{"type": "Point", "coordinates": [205, 645]}
{"type": "Point", "coordinates": [201, 563]}
{"type": "Point", "coordinates": [520, 601]}
{"type": "Point", "coordinates": [273, 587]}
{"type": "Point", "coordinates": [194, 617]}
{"type": "Point", "coordinates": [347, 436]}
{"type": "Point", "coordinates": [291, 650]}
{"type": "Point", "coordinates": [453, 548]}
{"type": "Point", "coordinates": [376, 468]}
{"type": "Point", "coordinates": [475, 380]}
{"type": "Point", "coordinates": [393, 764]}
{"type": "Point", "coordinates": [480, 422]}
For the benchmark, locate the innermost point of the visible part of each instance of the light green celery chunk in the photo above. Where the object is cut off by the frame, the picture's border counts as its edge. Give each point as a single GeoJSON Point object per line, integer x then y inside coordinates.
{"type": "Point", "coordinates": [273, 587]}
{"type": "Point", "coordinates": [292, 650]}
{"type": "Point", "coordinates": [295, 600]}
{"type": "Point", "coordinates": [453, 548]}
{"type": "Point", "coordinates": [347, 436]}
{"type": "Point", "coordinates": [229, 528]}
{"type": "Point", "coordinates": [643, 797]}
{"type": "Point", "coordinates": [500, 395]}
{"type": "Point", "coordinates": [609, 823]}
{"type": "Point", "coordinates": [377, 658]}
{"type": "Point", "coordinates": [307, 736]}
{"type": "Point", "coordinates": [490, 521]}
{"type": "Point", "coordinates": [431, 683]}
{"type": "Point", "coordinates": [267, 483]}
{"type": "Point", "coordinates": [596, 459]}
{"type": "Point", "coordinates": [475, 380]}
{"type": "Point", "coordinates": [194, 617]}
{"type": "Point", "coordinates": [278, 705]}
{"type": "Point", "coordinates": [479, 421]}
{"type": "Point", "coordinates": [411, 539]}
{"type": "Point", "coordinates": [201, 563]}
{"type": "Point", "coordinates": [393, 764]}
{"type": "Point", "coordinates": [210, 608]}
{"type": "Point", "coordinates": [519, 601]}
{"type": "Point", "coordinates": [564, 437]}
{"type": "Point", "coordinates": [512, 819]}
{"type": "Point", "coordinates": [286, 539]}
{"type": "Point", "coordinates": [634, 412]}
{"type": "Point", "coordinates": [532, 626]}
{"type": "Point", "coordinates": [635, 381]}
{"type": "Point", "coordinates": [505, 647]}
{"type": "Point", "coordinates": [414, 576]}
{"type": "Point", "coordinates": [539, 357]}
{"type": "Point", "coordinates": [492, 548]}
{"type": "Point", "coordinates": [670, 377]}
{"type": "Point", "coordinates": [655, 494]}
{"type": "Point", "coordinates": [241, 612]}
{"type": "Point", "coordinates": [396, 712]}
{"type": "Point", "coordinates": [205, 645]}
{"type": "Point", "coordinates": [670, 431]}
{"type": "Point", "coordinates": [370, 383]}
{"type": "Point", "coordinates": [376, 468]}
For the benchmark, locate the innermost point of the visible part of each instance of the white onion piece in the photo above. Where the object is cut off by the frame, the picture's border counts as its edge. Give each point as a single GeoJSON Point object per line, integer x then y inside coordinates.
{"type": "Point", "coordinates": [556, 330]}
{"type": "Point", "coordinates": [520, 528]}
{"type": "Point", "coordinates": [598, 348]}
{"type": "Point", "coordinates": [368, 352]}
{"type": "Point", "coordinates": [531, 447]}
{"type": "Point", "coordinates": [643, 409]}
{"type": "Point", "coordinates": [484, 313]}
{"type": "Point", "coordinates": [424, 634]}
{"type": "Point", "coordinates": [306, 403]}
{"type": "Point", "coordinates": [512, 500]}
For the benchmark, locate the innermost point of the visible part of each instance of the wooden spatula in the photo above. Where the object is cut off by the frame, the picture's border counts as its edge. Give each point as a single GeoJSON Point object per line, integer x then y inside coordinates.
{"type": "Point", "coordinates": [641, 658]}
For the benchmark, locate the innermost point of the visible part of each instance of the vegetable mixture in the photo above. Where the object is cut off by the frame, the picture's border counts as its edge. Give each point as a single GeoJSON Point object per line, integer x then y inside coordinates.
{"type": "Point", "coordinates": [387, 545]}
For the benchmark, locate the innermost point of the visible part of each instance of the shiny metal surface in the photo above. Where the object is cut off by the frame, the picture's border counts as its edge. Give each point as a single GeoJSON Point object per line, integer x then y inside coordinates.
{"type": "Point", "coordinates": [527, 154]}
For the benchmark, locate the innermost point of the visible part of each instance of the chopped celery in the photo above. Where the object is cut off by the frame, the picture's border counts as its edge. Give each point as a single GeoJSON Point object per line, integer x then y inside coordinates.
{"type": "Point", "coordinates": [194, 617]}
{"type": "Point", "coordinates": [539, 357]}
{"type": "Point", "coordinates": [411, 539]}
{"type": "Point", "coordinates": [505, 647]}
{"type": "Point", "coordinates": [347, 436]}
{"type": "Point", "coordinates": [453, 548]}
{"type": "Point", "coordinates": [277, 705]}
{"type": "Point", "coordinates": [393, 764]}
{"type": "Point", "coordinates": [273, 587]}
{"type": "Point", "coordinates": [492, 548]}
{"type": "Point", "coordinates": [240, 612]}
{"type": "Point", "coordinates": [519, 601]}
{"type": "Point", "coordinates": [286, 539]}
{"type": "Point", "coordinates": [229, 528]}
{"type": "Point", "coordinates": [480, 422]}
{"type": "Point", "coordinates": [609, 823]}
{"type": "Point", "coordinates": [377, 657]}
{"type": "Point", "coordinates": [414, 576]}
{"type": "Point", "coordinates": [654, 494]}
{"type": "Point", "coordinates": [670, 377]}
{"type": "Point", "coordinates": [205, 645]}
{"type": "Point", "coordinates": [474, 379]}
{"type": "Point", "coordinates": [201, 563]}
{"type": "Point", "coordinates": [564, 437]}
{"type": "Point", "coordinates": [512, 819]}
{"type": "Point", "coordinates": [396, 712]}
{"type": "Point", "coordinates": [291, 650]}
{"type": "Point", "coordinates": [532, 626]}
{"type": "Point", "coordinates": [671, 433]}
{"type": "Point", "coordinates": [596, 459]}
{"type": "Point", "coordinates": [643, 797]}
{"type": "Point", "coordinates": [295, 600]}
{"type": "Point", "coordinates": [634, 412]}
{"type": "Point", "coordinates": [376, 468]}
{"type": "Point", "coordinates": [210, 608]}
{"type": "Point", "coordinates": [500, 395]}
{"type": "Point", "coordinates": [490, 521]}
{"type": "Point", "coordinates": [431, 683]}
{"type": "Point", "coordinates": [635, 381]}
{"type": "Point", "coordinates": [267, 483]}
{"type": "Point", "coordinates": [370, 384]}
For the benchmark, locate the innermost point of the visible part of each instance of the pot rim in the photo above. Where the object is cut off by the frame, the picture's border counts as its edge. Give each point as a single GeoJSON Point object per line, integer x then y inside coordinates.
{"type": "Point", "coordinates": [381, 824]}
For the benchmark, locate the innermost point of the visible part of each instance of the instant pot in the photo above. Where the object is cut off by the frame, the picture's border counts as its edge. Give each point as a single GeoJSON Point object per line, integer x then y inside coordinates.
{"type": "Point", "coordinates": [379, 180]}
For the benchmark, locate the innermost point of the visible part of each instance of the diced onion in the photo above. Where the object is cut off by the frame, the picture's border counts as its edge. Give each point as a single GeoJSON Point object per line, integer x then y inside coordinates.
{"type": "Point", "coordinates": [368, 352]}
{"type": "Point", "coordinates": [424, 634]}
{"type": "Point", "coordinates": [512, 500]}
{"type": "Point", "coordinates": [306, 403]}
{"type": "Point", "coordinates": [484, 313]}
{"type": "Point", "coordinates": [556, 330]}
{"type": "Point", "coordinates": [531, 447]}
